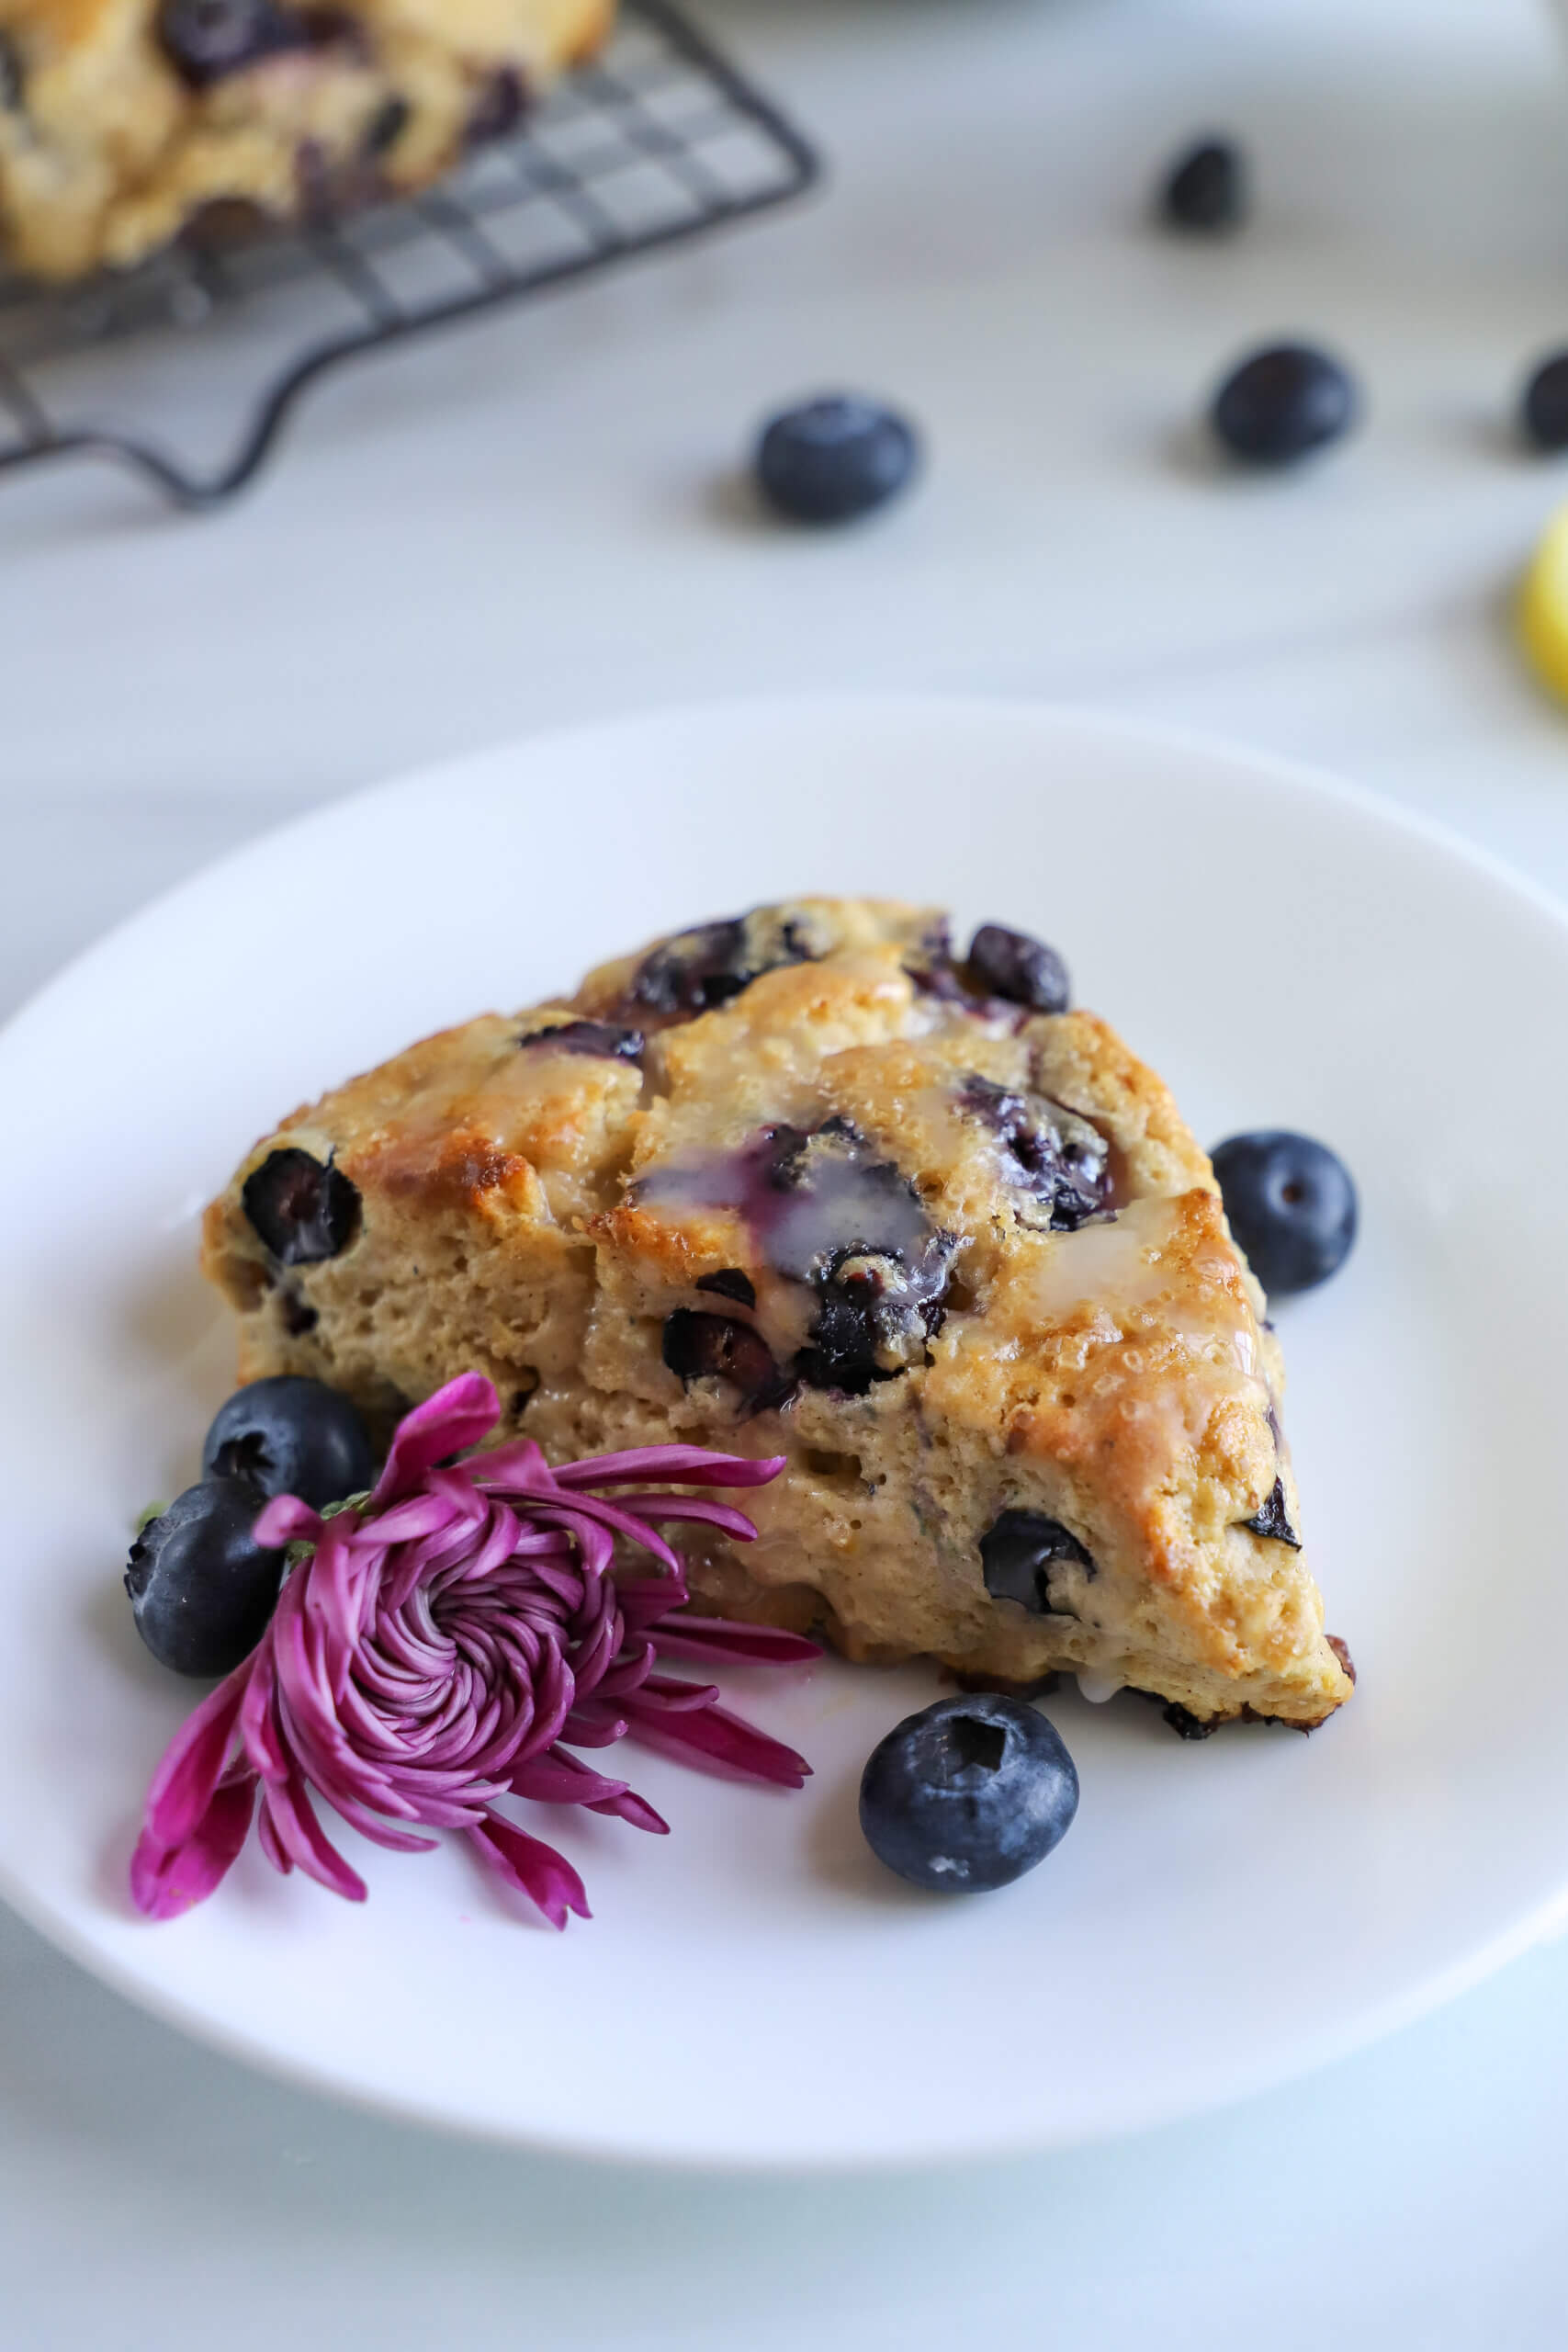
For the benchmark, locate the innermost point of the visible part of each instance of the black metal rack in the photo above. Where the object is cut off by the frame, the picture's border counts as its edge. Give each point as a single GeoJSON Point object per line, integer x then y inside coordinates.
{"type": "Point", "coordinates": [659, 140]}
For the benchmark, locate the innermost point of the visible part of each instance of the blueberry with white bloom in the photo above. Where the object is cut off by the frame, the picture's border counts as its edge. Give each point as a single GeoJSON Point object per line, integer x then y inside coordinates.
{"type": "Point", "coordinates": [968, 1794]}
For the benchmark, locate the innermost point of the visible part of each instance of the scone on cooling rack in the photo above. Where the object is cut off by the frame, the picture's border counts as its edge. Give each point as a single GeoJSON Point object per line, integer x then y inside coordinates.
{"type": "Point", "coordinates": [804, 1183]}
{"type": "Point", "coordinates": [121, 121]}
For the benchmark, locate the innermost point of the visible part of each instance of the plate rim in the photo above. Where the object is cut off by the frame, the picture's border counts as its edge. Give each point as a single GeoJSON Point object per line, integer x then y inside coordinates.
{"type": "Point", "coordinates": [1280, 770]}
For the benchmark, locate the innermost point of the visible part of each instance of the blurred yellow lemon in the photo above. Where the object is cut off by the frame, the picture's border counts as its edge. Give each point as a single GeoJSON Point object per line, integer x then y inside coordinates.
{"type": "Point", "coordinates": [1542, 618]}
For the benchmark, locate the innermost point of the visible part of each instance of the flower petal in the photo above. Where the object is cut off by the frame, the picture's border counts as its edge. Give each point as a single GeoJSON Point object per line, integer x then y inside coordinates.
{"type": "Point", "coordinates": [267, 1839]}
{"type": "Point", "coordinates": [636, 1810]}
{"type": "Point", "coordinates": [713, 1638]}
{"type": "Point", "coordinates": [405, 1522]}
{"type": "Point", "coordinates": [595, 1543]}
{"type": "Point", "coordinates": [285, 1520]}
{"type": "Point", "coordinates": [593, 1727]}
{"type": "Point", "coordinates": [258, 1707]}
{"type": "Point", "coordinates": [546, 1877]}
{"type": "Point", "coordinates": [519, 1469]}
{"type": "Point", "coordinates": [696, 1510]}
{"type": "Point", "coordinates": [288, 1808]}
{"type": "Point", "coordinates": [167, 1880]}
{"type": "Point", "coordinates": [591, 1516]}
{"type": "Point", "coordinates": [381, 1832]}
{"type": "Point", "coordinates": [723, 1738]}
{"type": "Point", "coordinates": [668, 1694]}
{"type": "Point", "coordinates": [456, 1417]}
{"type": "Point", "coordinates": [692, 1465]}
{"type": "Point", "coordinates": [195, 1762]}
{"type": "Point", "coordinates": [560, 1778]}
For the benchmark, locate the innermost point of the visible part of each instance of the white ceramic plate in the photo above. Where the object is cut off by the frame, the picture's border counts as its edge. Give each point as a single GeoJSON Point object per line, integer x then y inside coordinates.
{"type": "Point", "coordinates": [756, 1990]}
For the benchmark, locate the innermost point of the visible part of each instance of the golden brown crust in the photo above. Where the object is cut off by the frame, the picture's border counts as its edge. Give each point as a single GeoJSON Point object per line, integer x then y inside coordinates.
{"type": "Point", "coordinates": [552, 1216]}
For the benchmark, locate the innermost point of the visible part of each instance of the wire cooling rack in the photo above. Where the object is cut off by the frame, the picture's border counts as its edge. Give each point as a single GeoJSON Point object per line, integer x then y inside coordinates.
{"type": "Point", "coordinates": [660, 140]}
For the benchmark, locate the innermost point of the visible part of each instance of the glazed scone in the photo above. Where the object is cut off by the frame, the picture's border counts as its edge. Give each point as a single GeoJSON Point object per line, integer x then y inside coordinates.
{"type": "Point", "coordinates": [122, 121]}
{"type": "Point", "coordinates": [801, 1183]}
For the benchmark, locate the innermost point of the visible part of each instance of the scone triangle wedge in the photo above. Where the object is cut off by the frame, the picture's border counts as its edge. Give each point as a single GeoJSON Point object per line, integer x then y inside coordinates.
{"type": "Point", "coordinates": [805, 1182]}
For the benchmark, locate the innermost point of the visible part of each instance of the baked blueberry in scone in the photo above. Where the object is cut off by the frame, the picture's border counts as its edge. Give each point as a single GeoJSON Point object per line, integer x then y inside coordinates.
{"type": "Point", "coordinates": [807, 1183]}
{"type": "Point", "coordinates": [122, 121]}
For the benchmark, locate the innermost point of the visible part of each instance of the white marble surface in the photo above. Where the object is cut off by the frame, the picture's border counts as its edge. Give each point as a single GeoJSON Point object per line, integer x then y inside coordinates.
{"type": "Point", "coordinates": [532, 522]}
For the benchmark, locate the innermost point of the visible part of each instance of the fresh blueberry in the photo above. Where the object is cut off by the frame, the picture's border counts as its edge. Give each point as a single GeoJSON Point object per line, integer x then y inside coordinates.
{"type": "Point", "coordinates": [1017, 1552]}
{"type": "Point", "coordinates": [202, 1590]}
{"type": "Point", "coordinates": [1282, 404]}
{"type": "Point", "coordinates": [720, 1347]}
{"type": "Point", "coordinates": [1206, 188]}
{"type": "Point", "coordinates": [1292, 1206]}
{"type": "Point", "coordinates": [291, 1436]}
{"type": "Point", "coordinates": [1021, 970]}
{"type": "Point", "coordinates": [207, 38]}
{"type": "Point", "coordinates": [834, 458]}
{"type": "Point", "coordinates": [598, 1037]}
{"type": "Point", "coordinates": [303, 1210]}
{"type": "Point", "coordinates": [1544, 409]}
{"type": "Point", "coordinates": [1274, 1520]}
{"type": "Point", "coordinates": [1057, 1159]}
{"type": "Point", "coordinates": [968, 1794]}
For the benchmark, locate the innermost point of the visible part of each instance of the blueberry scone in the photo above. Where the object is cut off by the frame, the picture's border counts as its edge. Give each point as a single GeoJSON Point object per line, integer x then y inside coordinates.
{"type": "Point", "coordinates": [122, 121]}
{"type": "Point", "coordinates": [805, 1182]}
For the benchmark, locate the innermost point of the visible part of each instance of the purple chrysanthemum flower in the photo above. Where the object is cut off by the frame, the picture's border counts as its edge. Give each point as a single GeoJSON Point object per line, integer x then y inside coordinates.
{"type": "Point", "coordinates": [446, 1643]}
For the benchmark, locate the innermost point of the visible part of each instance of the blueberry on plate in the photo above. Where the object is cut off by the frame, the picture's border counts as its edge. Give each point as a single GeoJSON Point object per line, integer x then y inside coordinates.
{"type": "Point", "coordinates": [202, 1590]}
{"type": "Point", "coordinates": [290, 1436]}
{"type": "Point", "coordinates": [1543, 412]}
{"type": "Point", "coordinates": [1282, 404]}
{"type": "Point", "coordinates": [968, 1794]}
{"type": "Point", "coordinates": [1206, 188]}
{"type": "Point", "coordinates": [1292, 1205]}
{"type": "Point", "coordinates": [834, 458]}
